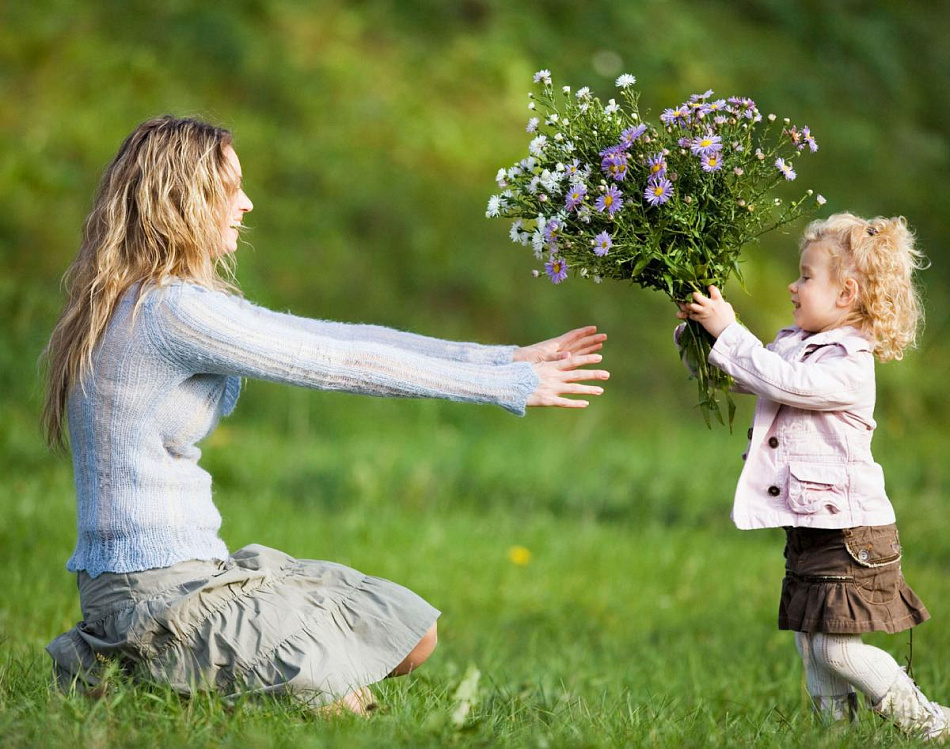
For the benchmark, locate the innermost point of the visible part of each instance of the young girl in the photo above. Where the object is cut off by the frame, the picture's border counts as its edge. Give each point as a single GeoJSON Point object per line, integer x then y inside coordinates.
{"type": "Point", "coordinates": [147, 356]}
{"type": "Point", "coordinates": [809, 466]}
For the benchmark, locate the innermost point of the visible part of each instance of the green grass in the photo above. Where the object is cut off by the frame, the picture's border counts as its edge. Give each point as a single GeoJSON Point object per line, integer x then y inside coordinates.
{"type": "Point", "coordinates": [641, 619]}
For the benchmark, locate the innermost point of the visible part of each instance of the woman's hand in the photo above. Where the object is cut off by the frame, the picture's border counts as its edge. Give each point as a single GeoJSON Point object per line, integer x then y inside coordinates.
{"type": "Point", "coordinates": [577, 342]}
{"type": "Point", "coordinates": [712, 312]}
{"type": "Point", "coordinates": [560, 377]}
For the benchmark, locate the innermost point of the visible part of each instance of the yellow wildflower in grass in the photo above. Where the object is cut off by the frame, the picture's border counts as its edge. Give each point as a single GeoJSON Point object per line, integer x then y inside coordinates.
{"type": "Point", "coordinates": [519, 555]}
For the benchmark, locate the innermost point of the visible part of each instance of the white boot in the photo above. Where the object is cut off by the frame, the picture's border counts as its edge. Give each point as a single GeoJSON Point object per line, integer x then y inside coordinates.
{"type": "Point", "coordinates": [837, 708]}
{"type": "Point", "coordinates": [912, 712]}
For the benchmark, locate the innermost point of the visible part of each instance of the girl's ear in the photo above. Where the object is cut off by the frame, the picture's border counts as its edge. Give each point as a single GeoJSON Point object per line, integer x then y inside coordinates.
{"type": "Point", "coordinates": [849, 293]}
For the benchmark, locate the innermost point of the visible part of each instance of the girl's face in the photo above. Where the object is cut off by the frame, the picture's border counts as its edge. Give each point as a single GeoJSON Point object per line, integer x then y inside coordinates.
{"type": "Point", "coordinates": [820, 302]}
{"type": "Point", "coordinates": [237, 207]}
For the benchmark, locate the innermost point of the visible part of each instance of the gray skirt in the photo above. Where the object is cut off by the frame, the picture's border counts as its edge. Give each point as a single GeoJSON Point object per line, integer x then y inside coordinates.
{"type": "Point", "coordinates": [259, 621]}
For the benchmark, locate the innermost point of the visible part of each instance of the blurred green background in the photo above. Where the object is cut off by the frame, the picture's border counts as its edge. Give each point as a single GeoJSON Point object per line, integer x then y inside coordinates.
{"type": "Point", "coordinates": [370, 133]}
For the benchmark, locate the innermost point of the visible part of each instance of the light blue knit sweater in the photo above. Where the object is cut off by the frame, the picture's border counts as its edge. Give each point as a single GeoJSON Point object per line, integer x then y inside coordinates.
{"type": "Point", "coordinates": [164, 376]}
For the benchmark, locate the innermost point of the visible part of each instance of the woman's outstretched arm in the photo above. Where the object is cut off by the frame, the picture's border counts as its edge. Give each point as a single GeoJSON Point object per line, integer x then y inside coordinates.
{"type": "Point", "coordinates": [580, 341]}
{"type": "Point", "coordinates": [205, 331]}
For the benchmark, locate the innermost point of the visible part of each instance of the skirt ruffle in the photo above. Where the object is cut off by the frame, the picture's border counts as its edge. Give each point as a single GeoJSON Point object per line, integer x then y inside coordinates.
{"type": "Point", "coordinates": [847, 582]}
{"type": "Point", "coordinates": [260, 621]}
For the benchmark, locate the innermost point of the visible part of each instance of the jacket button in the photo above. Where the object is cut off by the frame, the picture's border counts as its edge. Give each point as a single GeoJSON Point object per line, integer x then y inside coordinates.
{"type": "Point", "coordinates": [773, 441]}
{"type": "Point", "coordinates": [774, 491]}
{"type": "Point", "coordinates": [749, 433]}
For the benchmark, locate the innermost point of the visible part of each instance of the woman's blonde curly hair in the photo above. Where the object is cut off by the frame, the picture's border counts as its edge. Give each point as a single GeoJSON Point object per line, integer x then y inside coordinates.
{"type": "Point", "coordinates": [881, 256]}
{"type": "Point", "coordinates": [158, 213]}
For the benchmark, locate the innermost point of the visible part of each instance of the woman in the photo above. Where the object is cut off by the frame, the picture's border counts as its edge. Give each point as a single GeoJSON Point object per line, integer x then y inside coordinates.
{"type": "Point", "coordinates": [147, 356]}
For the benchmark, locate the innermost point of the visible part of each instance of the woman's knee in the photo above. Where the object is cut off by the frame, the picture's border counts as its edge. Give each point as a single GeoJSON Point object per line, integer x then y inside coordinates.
{"type": "Point", "coordinates": [420, 652]}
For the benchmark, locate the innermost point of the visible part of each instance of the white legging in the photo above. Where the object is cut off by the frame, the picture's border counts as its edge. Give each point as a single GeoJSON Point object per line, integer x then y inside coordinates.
{"type": "Point", "coordinates": [838, 664]}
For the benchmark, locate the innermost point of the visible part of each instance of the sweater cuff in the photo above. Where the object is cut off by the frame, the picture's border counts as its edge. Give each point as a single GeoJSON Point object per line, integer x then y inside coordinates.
{"type": "Point", "coordinates": [526, 384]}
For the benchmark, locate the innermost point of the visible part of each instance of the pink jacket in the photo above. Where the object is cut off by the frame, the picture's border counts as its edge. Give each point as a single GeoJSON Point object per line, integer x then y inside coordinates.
{"type": "Point", "coordinates": [808, 461]}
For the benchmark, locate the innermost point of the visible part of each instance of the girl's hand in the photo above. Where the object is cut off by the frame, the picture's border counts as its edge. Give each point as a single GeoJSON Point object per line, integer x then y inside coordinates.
{"type": "Point", "coordinates": [712, 312]}
{"type": "Point", "coordinates": [577, 342]}
{"type": "Point", "coordinates": [560, 376]}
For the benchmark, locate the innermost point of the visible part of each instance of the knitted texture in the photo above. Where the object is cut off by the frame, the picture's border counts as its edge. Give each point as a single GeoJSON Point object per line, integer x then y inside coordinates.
{"type": "Point", "coordinates": [163, 375]}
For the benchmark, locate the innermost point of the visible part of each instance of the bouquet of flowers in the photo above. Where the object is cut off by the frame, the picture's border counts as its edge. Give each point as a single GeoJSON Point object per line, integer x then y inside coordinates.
{"type": "Point", "coordinates": [668, 206]}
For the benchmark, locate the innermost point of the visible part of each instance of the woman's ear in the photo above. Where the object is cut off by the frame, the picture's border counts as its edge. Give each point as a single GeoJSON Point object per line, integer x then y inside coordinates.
{"type": "Point", "coordinates": [849, 293]}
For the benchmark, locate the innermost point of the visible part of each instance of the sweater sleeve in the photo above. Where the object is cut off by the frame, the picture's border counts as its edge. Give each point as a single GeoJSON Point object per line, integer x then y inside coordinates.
{"type": "Point", "coordinates": [830, 380]}
{"type": "Point", "coordinates": [438, 348]}
{"type": "Point", "coordinates": [204, 331]}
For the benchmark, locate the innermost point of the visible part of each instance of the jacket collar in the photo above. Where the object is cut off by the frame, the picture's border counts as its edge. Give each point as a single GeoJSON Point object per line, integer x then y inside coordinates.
{"type": "Point", "coordinates": [848, 337]}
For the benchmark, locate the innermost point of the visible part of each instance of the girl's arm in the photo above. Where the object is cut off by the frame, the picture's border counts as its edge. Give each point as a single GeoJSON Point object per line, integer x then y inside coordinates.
{"type": "Point", "coordinates": [205, 331]}
{"type": "Point", "coordinates": [831, 380]}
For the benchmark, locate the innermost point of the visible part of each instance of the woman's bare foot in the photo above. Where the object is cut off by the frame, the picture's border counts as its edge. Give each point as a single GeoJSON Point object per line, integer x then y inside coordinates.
{"type": "Point", "coordinates": [361, 702]}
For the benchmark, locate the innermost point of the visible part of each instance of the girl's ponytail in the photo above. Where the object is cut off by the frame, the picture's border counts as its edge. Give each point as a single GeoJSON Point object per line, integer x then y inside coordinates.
{"type": "Point", "coordinates": [880, 254]}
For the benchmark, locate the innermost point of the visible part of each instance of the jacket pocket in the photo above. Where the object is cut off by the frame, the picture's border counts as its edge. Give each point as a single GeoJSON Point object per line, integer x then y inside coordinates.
{"type": "Point", "coordinates": [817, 487]}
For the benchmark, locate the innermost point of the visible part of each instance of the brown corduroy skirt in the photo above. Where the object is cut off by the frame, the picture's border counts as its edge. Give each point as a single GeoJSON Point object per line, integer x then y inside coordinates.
{"type": "Point", "coordinates": [846, 582]}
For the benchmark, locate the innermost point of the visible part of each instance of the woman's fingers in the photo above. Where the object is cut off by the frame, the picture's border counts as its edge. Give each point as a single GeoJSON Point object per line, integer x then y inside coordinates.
{"type": "Point", "coordinates": [589, 349]}
{"type": "Point", "coordinates": [569, 403]}
{"type": "Point", "coordinates": [574, 389]}
{"type": "Point", "coordinates": [580, 360]}
{"type": "Point", "coordinates": [585, 340]}
{"type": "Point", "coordinates": [580, 375]}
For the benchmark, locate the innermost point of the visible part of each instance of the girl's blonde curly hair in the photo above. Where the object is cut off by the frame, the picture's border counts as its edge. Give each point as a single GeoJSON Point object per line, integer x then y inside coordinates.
{"type": "Point", "coordinates": [880, 255]}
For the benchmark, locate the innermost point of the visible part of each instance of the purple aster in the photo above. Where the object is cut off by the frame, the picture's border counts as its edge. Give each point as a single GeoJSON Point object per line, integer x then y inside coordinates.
{"type": "Point", "coordinates": [668, 117]}
{"type": "Point", "coordinates": [712, 162]}
{"type": "Point", "coordinates": [556, 269]}
{"type": "Point", "coordinates": [786, 169]}
{"type": "Point", "coordinates": [678, 116]}
{"type": "Point", "coordinates": [707, 144]}
{"type": "Point", "coordinates": [575, 196]}
{"type": "Point", "coordinates": [614, 162]}
{"type": "Point", "coordinates": [658, 191]}
{"type": "Point", "coordinates": [629, 136]}
{"type": "Point", "coordinates": [698, 97]}
{"type": "Point", "coordinates": [744, 107]}
{"type": "Point", "coordinates": [716, 106]}
{"type": "Point", "coordinates": [809, 139]}
{"type": "Point", "coordinates": [573, 169]}
{"type": "Point", "coordinates": [610, 202]}
{"type": "Point", "coordinates": [602, 243]}
{"type": "Point", "coordinates": [552, 232]}
{"type": "Point", "coordinates": [657, 165]}
{"type": "Point", "coordinates": [683, 142]}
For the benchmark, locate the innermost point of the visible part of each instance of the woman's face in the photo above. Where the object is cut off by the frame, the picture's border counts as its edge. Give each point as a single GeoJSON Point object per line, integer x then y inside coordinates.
{"type": "Point", "coordinates": [237, 207]}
